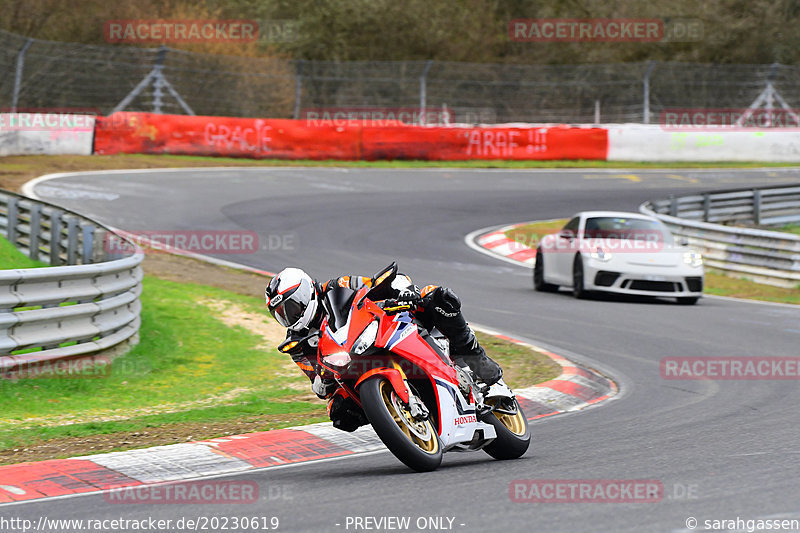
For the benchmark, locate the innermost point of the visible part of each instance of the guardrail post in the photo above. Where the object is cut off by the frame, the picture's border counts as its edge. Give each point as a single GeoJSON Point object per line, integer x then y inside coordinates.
{"type": "Point", "coordinates": [673, 205]}
{"type": "Point", "coordinates": [13, 216]}
{"type": "Point", "coordinates": [757, 207]}
{"type": "Point", "coordinates": [87, 240]}
{"type": "Point", "coordinates": [36, 228]}
{"type": "Point", "coordinates": [72, 240]}
{"type": "Point", "coordinates": [706, 206]}
{"type": "Point", "coordinates": [55, 238]}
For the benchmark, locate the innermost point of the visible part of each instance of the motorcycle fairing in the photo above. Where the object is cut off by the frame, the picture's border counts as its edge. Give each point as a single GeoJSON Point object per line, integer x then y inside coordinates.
{"type": "Point", "coordinates": [458, 424]}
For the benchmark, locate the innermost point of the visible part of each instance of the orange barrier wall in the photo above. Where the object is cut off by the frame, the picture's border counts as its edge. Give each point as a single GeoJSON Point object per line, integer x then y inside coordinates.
{"type": "Point", "coordinates": [300, 139]}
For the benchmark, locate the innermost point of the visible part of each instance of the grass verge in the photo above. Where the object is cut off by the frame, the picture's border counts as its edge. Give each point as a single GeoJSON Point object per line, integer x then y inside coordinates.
{"type": "Point", "coordinates": [716, 282]}
{"type": "Point", "coordinates": [11, 258]}
{"type": "Point", "coordinates": [791, 228]}
{"type": "Point", "coordinates": [205, 366]}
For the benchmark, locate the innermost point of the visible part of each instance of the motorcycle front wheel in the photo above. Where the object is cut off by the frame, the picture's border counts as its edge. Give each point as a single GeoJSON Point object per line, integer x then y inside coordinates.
{"type": "Point", "coordinates": [414, 442]}
{"type": "Point", "coordinates": [511, 426]}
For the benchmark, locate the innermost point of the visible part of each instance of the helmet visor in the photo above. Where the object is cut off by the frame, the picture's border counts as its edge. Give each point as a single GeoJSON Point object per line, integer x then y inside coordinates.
{"type": "Point", "coordinates": [288, 312]}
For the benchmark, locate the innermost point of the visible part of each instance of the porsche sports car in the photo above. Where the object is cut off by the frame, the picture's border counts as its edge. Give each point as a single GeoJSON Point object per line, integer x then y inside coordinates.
{"type": "Point", "coordinates": [618, 252]}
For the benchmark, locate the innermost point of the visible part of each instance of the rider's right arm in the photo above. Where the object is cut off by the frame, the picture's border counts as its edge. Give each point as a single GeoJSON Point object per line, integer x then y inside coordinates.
{"type": "Point", "coordinates": [305, 365]}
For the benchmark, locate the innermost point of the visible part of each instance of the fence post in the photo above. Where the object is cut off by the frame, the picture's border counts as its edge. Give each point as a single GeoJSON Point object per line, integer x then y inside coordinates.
{"type": "Point", "coordinates": [423, 91]}
{"type": "Point", "coordinates": [298, 89]}
{"type": "Point", "coordinates": [757, 207]}
{"type": "Point", "coordinates": [706, 206]}
{"type": "Point", "coordinates": [673, 205]}
{"type": "Point", "coordinates": [18, 74]}
{"type": "Point", "coordinates": [646, 105]}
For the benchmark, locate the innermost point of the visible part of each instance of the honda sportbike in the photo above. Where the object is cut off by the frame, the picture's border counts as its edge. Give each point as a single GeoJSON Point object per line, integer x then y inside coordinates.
{"type": "Point", "coordinates": [401, 375]}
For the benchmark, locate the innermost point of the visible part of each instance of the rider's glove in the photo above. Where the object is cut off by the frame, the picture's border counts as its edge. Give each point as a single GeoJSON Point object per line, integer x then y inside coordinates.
{"type": "Point", "coordinates": [408, 296]}
{"type": "Point", "coordinates": [323, 388]}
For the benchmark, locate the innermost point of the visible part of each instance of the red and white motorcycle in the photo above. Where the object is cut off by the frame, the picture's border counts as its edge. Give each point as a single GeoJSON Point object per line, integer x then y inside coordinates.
{"type": "Point", "coordinates": [418, 401]}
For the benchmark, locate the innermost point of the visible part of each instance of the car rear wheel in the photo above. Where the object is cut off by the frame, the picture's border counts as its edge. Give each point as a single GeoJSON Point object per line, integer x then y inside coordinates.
{"type": "Point", "coordinates": [538, 274]}
{"type": "Point", "coordinates": [578, 289]}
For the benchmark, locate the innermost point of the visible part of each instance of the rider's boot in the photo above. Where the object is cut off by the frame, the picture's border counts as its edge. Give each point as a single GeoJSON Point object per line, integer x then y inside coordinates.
{"type": "Point", "coordinates": [475, 357]}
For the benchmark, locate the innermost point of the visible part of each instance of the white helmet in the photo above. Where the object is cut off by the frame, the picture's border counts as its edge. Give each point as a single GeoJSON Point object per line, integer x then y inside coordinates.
{"type": "Point", "coordinates": [292, 299]}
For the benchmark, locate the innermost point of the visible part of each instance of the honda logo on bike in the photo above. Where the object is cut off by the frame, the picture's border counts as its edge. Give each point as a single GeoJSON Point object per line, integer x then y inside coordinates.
{"type": "Point", "coordinates": [467, 419]}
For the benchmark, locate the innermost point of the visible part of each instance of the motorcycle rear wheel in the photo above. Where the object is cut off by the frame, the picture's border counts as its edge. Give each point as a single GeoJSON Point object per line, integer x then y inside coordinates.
{"type": "Point", "coordinates": [414, 442]}
{"type": "Point", "coordinates": [513, 436]}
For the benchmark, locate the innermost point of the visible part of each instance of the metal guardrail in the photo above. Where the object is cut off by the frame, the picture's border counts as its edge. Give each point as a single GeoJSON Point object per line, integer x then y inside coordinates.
{"type": "Point", "coordinates": [769, 257]}
{"type": "Point", "coordinates": [86, 302]}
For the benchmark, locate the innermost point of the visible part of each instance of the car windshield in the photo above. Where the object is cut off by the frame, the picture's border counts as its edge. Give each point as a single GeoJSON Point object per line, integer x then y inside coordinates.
{"type": "Point", "coordinates": [621, 228]}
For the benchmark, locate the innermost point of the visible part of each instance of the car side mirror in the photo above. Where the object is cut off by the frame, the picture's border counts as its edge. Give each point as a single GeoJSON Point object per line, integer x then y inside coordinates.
{"type": "Point", "coordinates": [566, 234]}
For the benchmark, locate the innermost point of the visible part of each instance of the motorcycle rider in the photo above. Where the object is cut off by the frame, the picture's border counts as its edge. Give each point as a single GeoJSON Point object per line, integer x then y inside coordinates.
{"type": "Point", "coordinates": [293, 299]}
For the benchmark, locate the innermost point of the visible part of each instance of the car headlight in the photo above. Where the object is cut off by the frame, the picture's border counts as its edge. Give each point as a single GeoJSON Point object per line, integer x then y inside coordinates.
{"type": "Point", "coordinates": [601, 255]}
{"type": "Point", "coordinates": [694, 259]}
{"type": "Point", "coordinates": [366, 339]}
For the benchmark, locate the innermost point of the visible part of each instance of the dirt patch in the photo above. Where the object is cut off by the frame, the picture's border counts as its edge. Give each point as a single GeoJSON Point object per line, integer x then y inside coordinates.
{"type": "Point", "coordinates": [263, 325]}
{"type": "Point", "coordinates": [267, 328]}
{"type": "Point", "coordinates": [168, 434]}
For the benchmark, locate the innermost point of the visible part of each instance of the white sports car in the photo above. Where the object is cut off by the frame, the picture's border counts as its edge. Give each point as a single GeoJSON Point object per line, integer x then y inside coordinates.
{"type": "Point", "coordinates": [618, 252]}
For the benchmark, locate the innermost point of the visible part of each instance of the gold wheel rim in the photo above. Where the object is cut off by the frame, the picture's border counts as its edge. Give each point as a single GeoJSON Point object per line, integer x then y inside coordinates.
{"type": "Point", "coordinates": [402, 417]}
{"type": "Point", "coordinates": [514, 423]}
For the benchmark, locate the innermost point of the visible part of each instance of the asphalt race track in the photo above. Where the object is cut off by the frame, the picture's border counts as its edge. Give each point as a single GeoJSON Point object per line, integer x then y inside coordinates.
{"type": "Point", "coordinates": [722, 450]}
